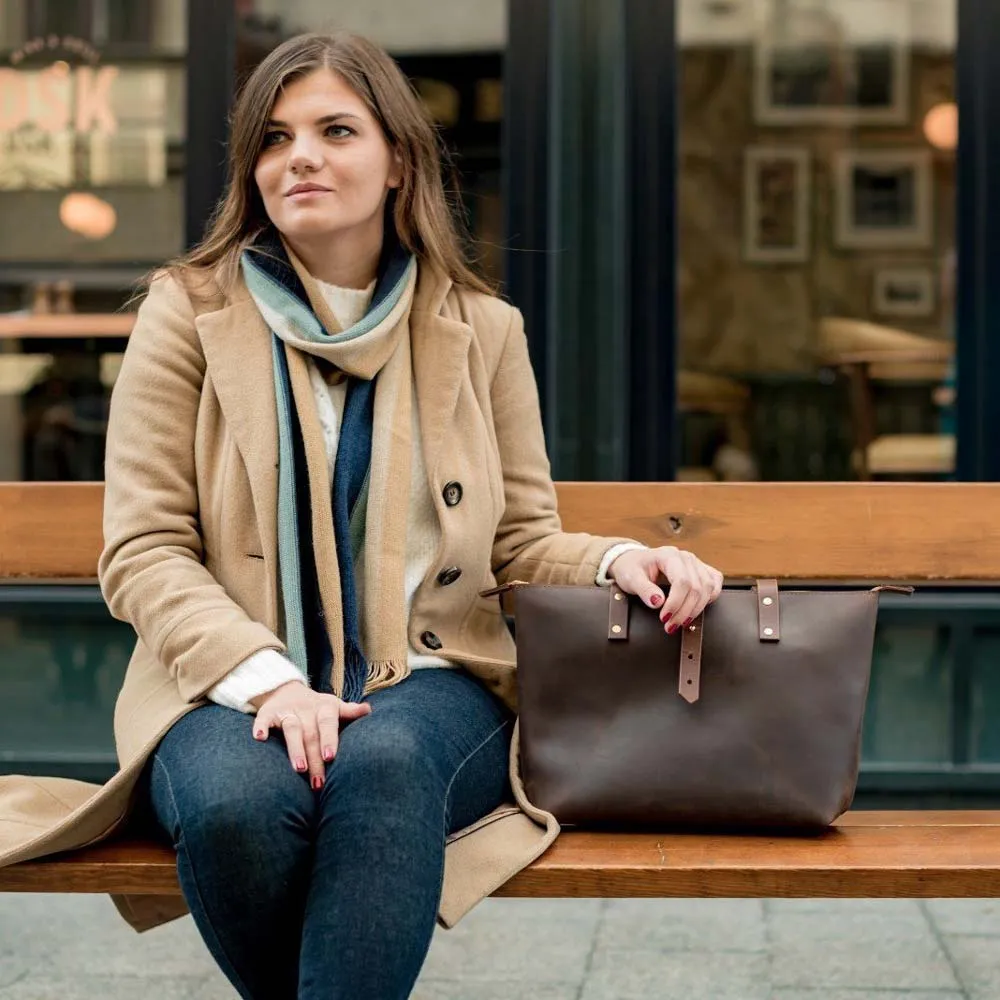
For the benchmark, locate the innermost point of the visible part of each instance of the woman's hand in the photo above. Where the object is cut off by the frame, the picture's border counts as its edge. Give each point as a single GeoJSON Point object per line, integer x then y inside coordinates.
{"type": "Point", "coordinates": [693, 584]}
{"type": "Point", "coordinates": [310, 723]}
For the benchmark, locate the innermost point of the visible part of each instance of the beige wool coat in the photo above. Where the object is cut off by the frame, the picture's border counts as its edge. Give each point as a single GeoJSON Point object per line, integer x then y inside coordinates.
{"type": "Point", "coordinates": [190, 556]}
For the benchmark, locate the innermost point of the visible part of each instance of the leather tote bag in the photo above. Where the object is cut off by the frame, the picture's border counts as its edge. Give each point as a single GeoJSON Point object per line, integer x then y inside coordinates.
{"type": "Point", "coordinates": [750, 717]}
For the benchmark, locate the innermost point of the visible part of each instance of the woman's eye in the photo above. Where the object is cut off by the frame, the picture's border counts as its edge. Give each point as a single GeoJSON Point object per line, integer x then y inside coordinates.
{"type": "Point", "coordinates": [272, 138]}
{"type": "Point", "coordinates": [339, 131]}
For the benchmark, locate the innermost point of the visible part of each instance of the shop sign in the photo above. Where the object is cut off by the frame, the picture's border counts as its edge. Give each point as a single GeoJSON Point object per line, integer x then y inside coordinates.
{"type": "Point", "coordinates": [58, 98]}
{"type": "Point", "coordinates": [59, 124]}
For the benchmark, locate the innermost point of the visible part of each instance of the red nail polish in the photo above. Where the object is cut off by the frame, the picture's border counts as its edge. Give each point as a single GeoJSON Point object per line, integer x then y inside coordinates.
{"type": "Point", "coordinates": [688, 622]}
{"type": "Point", "coordinates": [259, 734]}
{"type": "Point", "coordinates": [671, 629]}
{"type": "Point", "coordinates": [317, 782]}
{"type": "Point", "coordinates": [300, 764]}
{"type": "Point", "coordinates": [327, 753]}
{"type": "Point", "coordinates": [657, 600]}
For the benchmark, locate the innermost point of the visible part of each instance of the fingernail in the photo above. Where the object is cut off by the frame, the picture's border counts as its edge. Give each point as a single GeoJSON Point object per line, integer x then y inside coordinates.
{"type": "Point", "coordinates": [688, 622]}
{"type": "Point", "coordinates": [317, 782]}
{"type": "Point", "coordinates": [327, 753]}
{"type": "Point", "coordinates": [671, 629]}
{"type": "Point", "coordinates": [665, 618]}
{"type": "Point", "coordinates": [656, 600]}
{"type": "Point", "coordinates": [300, 764]}
{"type": "Point", "coordinates": [259, 734]}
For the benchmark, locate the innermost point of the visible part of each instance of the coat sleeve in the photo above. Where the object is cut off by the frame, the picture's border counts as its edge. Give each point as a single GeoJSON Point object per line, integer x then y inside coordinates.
{"type": "Point", "coordinates": [530, 544]}
{"type": "Point", "coordinates": [151, 569]}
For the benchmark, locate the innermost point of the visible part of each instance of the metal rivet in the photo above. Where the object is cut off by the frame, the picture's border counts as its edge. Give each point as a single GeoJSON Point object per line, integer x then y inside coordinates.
{"type": "Point", "coordinates": [618, 597]}
{"type": "Point", "coordinates": [769, 631]}
{"type": "Point", "coordinates": [767, 602]}
{"type": "Point", "coordinates": [692, 628]}
{"type": "Point", "coordinates": [616, 629]}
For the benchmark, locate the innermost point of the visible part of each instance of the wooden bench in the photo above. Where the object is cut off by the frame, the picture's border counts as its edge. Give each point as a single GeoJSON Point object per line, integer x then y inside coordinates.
{"type": "Point", "coordinates": [943, 534]}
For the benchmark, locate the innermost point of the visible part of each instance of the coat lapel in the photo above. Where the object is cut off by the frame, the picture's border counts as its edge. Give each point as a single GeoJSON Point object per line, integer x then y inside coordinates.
{"type": "Point", "coordinates": [440, 363]}
{"type": "Point", "coordinates": [238, 357]}
{"type": "Point", "coordinates": [237, 346]}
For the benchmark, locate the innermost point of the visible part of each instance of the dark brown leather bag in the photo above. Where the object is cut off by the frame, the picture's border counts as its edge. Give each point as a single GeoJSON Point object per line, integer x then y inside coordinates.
{"type": "Point", "coordinates": [750, 717]}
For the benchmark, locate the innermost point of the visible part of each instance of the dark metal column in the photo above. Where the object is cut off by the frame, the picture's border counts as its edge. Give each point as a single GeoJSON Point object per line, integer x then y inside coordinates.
{"type": "Point", "coordinates": [526, 171]}
{"type": "Point", "coordinates": [211, 61]}
{"type": "Point", "coordinates": [978, 240]}
{"type": "Point", "coordinates": [652, 58]}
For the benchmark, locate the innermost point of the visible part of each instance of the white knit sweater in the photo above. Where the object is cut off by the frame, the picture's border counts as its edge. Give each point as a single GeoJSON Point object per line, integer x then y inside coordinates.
{"type": "Point", "coordinates": [268, 669]}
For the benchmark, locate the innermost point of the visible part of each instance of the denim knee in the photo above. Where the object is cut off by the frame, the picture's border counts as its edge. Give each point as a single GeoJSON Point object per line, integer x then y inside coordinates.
{"type": "Point", "coordinates": [227, 814]}
{"type": "Point", "coordinates": [391, 767]}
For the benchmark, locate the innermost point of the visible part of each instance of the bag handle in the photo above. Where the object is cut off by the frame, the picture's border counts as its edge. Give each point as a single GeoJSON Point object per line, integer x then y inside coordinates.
{"type": "Point", "coordinates": [768, 617]}
{"type": "Point", "coordinates": [689, 673]}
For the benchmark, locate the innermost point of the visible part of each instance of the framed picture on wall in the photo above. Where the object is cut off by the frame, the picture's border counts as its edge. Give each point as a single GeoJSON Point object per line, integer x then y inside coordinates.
{"type": "Point", "coordinates": [840, 64]}
{"type": "Point", "coordinates": [903, 291]}
{"type": "Point", "coordinates": [884, 199]}
{"type": "Point", "coordinates": [776, 202]}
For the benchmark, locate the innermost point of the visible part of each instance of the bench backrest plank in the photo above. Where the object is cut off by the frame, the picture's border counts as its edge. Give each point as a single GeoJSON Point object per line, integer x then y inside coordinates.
{"type": "Point", "coordinates": [835, 531]}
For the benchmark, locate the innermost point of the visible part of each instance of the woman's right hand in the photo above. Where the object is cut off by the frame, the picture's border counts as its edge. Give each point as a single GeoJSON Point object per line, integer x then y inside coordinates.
{"type": "Point", "coordinates": [310, 723]}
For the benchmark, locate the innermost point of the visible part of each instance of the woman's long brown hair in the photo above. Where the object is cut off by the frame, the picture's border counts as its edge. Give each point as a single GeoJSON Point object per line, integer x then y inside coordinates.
{"type": "Point", "coordinates": [425, 224]}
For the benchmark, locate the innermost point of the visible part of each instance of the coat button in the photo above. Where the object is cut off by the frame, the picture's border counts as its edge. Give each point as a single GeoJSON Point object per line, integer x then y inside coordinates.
{"type": "Point", "coordinates": [452, 493]}
{"type": "Point", "coordinates": [430, 640]}
{"type": "Point", "coordinates": [448, 576]}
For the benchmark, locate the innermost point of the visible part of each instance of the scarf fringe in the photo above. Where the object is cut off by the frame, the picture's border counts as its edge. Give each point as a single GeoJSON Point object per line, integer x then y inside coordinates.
{"type": "Point", "coordinates": [385, 673]}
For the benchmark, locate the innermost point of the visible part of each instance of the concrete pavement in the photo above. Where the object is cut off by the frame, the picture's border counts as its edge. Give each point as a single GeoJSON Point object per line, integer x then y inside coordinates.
{"type": "Point", "coordinates": [77, 948]}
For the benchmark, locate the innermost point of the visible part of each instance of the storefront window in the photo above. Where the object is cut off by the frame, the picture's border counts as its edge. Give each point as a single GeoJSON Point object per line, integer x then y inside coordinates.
{"type": "Point", "coordinates": [92, 171]}
{"type": "Point", "coordinates": [452, 50]}
{"type": "Point", "coordinates": [816, 198]}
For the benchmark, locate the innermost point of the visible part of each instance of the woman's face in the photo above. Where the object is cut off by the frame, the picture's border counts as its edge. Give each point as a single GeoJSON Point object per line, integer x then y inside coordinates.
{"type": "Point", "coordinates": [325, 168]}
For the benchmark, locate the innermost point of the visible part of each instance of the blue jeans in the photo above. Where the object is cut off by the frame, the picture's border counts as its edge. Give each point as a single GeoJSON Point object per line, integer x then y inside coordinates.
{"type": "Point", "coordinates": [332, 893]}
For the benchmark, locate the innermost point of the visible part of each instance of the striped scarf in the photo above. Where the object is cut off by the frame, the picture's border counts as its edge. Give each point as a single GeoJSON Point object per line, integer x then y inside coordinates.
{"type": "Point", "coordinates": [372, 470]}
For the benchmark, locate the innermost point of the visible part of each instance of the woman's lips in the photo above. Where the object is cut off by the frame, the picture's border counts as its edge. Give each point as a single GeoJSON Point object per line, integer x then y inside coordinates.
{"type": "Point", "coordinates": [305, 195]}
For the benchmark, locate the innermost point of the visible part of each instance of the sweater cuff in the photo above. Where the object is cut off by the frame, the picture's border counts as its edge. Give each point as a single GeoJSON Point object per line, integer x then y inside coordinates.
{"type": "Point", "coordinates": [256, 675]}
{"type": "Point", "coordinates": [610, 556]}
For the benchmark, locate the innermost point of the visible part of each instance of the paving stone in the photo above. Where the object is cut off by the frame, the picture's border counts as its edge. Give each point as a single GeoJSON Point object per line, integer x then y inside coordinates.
{"type": "Point", "coordinates": [85, 934]}
{"type": "Point", "coordinates": [814, 928]}
{"type": "Point", "coordinates": [978, 963]}
{"type": "Point", "coordinates": [865, 995]}
{"type": "Point", "coordinates": [847, 909]}
{"type": "Point", "coordinates": [214, 987]}
{"type": "Point", "coordinates": [683, 925]}
{"type": "Point", "coordinates": [107, 988]}
{"type": "Point", "coordinates": [830, 952]}
{"type": "Point", "coordinates": [491, 950]}
{"type": "Point", "coordinates": [631, 974]}
{"type": "Point", "coordinates": [965, 916]}
{"type": "Point", "coordinates": [12, 967]}
{"type": "Point", "coordinates": [438, 989]}
{"type": "Point", "coordinates": [545, 910]}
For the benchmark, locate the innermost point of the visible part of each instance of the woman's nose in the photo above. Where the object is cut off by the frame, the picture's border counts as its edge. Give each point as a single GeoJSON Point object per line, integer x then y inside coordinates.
{"type": "Point", "coordinates": [305, 154]}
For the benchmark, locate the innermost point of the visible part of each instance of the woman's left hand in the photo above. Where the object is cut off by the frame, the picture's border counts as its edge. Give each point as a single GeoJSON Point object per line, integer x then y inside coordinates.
{"type": "Point", "coordinates": [693, 584]}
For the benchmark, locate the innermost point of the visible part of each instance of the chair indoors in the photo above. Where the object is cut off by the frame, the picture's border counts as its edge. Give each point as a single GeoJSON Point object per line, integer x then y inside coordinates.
{"type": "Point", "coordinates": [868, 354]}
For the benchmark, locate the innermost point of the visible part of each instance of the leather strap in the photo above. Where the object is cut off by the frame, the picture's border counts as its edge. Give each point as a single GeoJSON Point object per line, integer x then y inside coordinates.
{"type": "Point", "coordinates": [690, 672]}
{"type": "Point", "coordinates": [618, 614]}
{"type": "Point", "coordinates": [767, 610]}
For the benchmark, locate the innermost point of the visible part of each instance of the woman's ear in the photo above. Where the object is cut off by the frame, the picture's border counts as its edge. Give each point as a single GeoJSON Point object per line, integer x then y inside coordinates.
{"type": "Point", "coordinates": [396, 173]}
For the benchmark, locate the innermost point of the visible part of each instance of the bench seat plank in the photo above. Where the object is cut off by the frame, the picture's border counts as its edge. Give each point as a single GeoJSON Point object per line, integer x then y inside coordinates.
{"type": "Point", "coordinates": [884, 855]}
{"type": "Point", "coordinates": [867, 854]}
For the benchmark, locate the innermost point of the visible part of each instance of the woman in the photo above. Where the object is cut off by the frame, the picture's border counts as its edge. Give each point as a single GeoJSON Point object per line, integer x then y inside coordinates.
{"type": "Point", "coordinates": [324, 444]}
